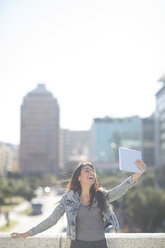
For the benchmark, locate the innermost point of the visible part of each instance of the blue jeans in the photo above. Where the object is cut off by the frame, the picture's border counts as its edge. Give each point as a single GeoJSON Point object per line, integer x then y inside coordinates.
{"type": "Point", "coordinates": [89, 244]}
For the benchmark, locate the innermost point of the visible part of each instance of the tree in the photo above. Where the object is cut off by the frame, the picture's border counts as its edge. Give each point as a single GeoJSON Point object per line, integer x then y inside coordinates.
{"type": "Point", "coordinates": [146, 209]}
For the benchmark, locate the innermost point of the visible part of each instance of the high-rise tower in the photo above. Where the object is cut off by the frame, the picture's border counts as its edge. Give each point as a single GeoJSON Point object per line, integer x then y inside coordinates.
{"type": "Point", "coordinates": [160, 134]}
{"type": "Point", "coordinates": [39, 148]}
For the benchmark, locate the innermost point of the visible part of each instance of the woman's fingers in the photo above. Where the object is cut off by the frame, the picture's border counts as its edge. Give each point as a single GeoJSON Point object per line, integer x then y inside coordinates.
{"type": "Point", "coordinates": [14, 235]}
{"type": "Point", "coordinates": [141, 165]}
{"type": "Point", "coordinates": [17, 235]}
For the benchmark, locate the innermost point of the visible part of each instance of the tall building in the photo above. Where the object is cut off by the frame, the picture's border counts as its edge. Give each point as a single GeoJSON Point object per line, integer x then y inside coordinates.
{"type": "Point", "coordinates": [108, 134]}
{"type": "Point", "coordinates": [160, 125]}
{"type": "Point", "coordinates": [160, 134]}
{"type": "Point", "coordinates": [39, 146]}
{"type": "Point", "coordinates": [148, 140]}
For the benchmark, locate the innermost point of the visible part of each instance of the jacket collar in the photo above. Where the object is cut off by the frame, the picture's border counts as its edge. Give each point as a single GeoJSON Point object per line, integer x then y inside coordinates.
{"type": "Point", "coordinates": [73, 196]}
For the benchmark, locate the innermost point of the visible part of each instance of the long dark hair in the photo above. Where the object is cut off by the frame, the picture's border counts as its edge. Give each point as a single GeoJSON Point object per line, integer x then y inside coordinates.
{"type": "Point", "coordinates": [95, 190]}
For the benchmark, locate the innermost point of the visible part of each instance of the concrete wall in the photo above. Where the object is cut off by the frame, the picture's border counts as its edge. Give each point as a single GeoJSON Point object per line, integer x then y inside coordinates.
{"type": "Point", "coordinates": [121, 240]}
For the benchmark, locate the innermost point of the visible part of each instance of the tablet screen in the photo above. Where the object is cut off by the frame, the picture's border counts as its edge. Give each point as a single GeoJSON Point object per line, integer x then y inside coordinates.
{"type": "Point", "coordinates": [127, 158]}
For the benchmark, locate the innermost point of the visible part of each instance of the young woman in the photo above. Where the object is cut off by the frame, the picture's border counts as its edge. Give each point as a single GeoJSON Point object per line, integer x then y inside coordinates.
{"type": "Point", "coordinates": [87, 208]}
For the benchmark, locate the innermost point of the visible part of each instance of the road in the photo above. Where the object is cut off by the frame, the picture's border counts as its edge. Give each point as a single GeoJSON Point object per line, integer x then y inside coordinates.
{"type": "Point", "coordinates": [27, 222]}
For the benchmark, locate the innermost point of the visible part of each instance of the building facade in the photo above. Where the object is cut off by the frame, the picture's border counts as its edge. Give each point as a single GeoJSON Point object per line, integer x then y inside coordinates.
{"type": "Point", "coordinates": [160, 126]}
{"type": "Point", "coordinates": [39, 146]}
{"type": "Point", "coordinates": [8, 159]}
{"type": "Point", "coordinates": [160, 135]}
{"type": "Point", "coordinates": [108, 134]}
{"type": "Point", "coordinates": [75, 147]}
{"type": "Point", "coordinates": [3, 160]}
{"type": "Point", "coordinates": [148, 140]}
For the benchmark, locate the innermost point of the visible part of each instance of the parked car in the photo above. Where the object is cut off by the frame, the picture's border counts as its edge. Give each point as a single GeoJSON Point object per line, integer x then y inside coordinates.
{"type": "Point", "coordinates": [37, 207]}
{"type": "Point", "coordinates": [64, 229]}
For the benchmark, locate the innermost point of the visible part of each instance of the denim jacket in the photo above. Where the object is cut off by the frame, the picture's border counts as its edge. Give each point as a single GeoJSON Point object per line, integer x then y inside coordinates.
{"type": "Point", "coordinates": [70, 203]}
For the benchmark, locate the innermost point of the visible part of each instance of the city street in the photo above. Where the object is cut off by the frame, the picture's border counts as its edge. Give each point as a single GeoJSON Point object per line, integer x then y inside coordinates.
{"type": "Point", "coordinates": [27, 222]}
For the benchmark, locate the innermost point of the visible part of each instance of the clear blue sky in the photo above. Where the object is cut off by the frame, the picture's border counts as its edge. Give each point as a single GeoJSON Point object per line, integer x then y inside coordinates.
{"type": "Point", "coordinates": [99, 58]}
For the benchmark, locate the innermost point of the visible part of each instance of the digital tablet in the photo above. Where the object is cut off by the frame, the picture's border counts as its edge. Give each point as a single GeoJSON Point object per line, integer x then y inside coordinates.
{"type": "Point", "coordinates": [127, 158]}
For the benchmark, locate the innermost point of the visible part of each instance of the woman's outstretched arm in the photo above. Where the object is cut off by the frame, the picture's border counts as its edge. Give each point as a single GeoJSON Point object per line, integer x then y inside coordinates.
{"type": "Point", "coordinates": [120, 190]}
{"type": "Point", "coordinates": [47, 223]}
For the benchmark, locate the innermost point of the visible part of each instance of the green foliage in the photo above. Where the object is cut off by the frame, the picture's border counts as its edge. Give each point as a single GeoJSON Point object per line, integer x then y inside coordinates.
{"type": "Point", "coordinates": [48, 180]}
{"type": "Point", "coordinates": [23, 186]}
{"type": "Point", "coordinates": [6, 189]}
{"type": "Point", "coordinates": [10, 227]}
{"type": "Point", "coordinates": [147, 180]}
{"type": "Point", "coordinates": [28, 211]}
{"type": "Point", "coordinates": [146, 208]}
{"type": "Point", "coordinates": [143, 205]}
{"type": "Point", "coordinates": [11, 203]}
{"type": "Point", "coordinates": [110, 181]}
{"type": "Point", "coordinates": [160, 172]}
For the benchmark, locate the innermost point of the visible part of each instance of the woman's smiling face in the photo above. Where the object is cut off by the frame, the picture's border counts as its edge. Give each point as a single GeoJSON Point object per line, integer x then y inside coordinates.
{"type": "Point", "coordinates": [87, 176]}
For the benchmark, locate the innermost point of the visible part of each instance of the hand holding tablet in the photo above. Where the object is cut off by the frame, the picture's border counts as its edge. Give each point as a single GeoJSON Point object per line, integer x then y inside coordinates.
{"type": "Point", "coordinates": [127, 159]}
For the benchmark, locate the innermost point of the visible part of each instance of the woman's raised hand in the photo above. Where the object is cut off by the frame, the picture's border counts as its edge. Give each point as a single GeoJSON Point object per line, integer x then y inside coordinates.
{"type": "Point", "coordinates": [19, 235]}
{"type": "Point", "coordinates": [141, 165]}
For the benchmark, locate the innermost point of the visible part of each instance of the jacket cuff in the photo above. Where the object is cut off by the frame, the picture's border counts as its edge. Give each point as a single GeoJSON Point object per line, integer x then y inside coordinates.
{"type": "Point", "coordinates": [31, 232]}
{"type": "Point", "coordinates": [130, 181]}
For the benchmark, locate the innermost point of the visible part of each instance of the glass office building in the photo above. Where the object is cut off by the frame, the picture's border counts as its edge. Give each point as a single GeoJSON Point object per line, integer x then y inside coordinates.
{"type": "Point", "coordinates": [160, 135]}
{"type": "Point", "coordinates": [108, 134]}
{"type": "Point", "coordinates": [160, 126]}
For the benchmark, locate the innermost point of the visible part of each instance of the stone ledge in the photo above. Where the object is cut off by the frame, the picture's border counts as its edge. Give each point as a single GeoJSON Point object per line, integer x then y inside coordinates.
{"type": "Point", "coordinates": [120, 240]}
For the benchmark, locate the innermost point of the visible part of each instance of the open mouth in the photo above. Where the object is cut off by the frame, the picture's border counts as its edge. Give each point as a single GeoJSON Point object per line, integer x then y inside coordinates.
{"type": "Point", "coordinates": [91, 178]}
